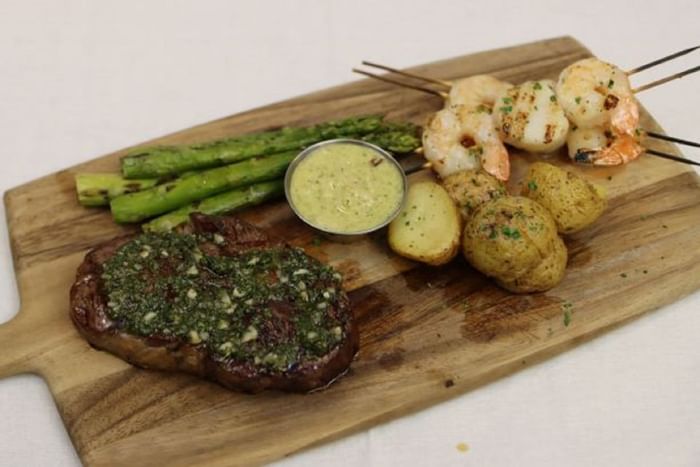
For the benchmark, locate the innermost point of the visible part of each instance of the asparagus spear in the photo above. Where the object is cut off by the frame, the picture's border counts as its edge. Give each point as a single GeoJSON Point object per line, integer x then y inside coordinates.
{"type": "Point", "coordinates": [169, 160]}
{"type": "Point", "coordinates": [218, 204]}
{"type": "Point", "coordinates": [141, 205]}
{"type": "Point", "coordinates": [96, 189]}
{"type": "Point", "coordinates": [398, 141]}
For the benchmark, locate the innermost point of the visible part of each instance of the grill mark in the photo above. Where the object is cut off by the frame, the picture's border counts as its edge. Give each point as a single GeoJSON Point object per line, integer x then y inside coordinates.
{"type": "Point", "coordinates": [611, 101]}
{"type": "Point", "coordinates": [131, 187]}
{"type": "Point", "coordinates": [549, 133]}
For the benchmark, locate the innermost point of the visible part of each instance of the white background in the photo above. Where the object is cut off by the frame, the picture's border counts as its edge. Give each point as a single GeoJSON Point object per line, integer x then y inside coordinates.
{"type": "Point", "coordinates": [82, 78]}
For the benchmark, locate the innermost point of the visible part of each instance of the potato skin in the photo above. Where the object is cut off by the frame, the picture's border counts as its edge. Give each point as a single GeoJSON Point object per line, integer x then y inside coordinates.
{"type": "Point", "coordinates": [472, 188]}
{"type": "Point", "coordinates": [574, 202]}
{"type": "Point", "coordinates": [547, 274]}
{"type": "Point", "coordinates": [509, 238]}
{"type": "Point", "coordinates": [429, 226]}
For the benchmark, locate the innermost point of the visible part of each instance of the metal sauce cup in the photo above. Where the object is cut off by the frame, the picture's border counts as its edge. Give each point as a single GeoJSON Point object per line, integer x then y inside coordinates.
{"type": "Point", "coordinates": [339, 235]}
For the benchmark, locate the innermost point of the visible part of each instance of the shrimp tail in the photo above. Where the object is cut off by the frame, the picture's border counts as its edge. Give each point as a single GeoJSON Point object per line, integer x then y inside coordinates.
{"type": "Point", "coordinates": [624, 149]}
{"type": "Point", "coordinates": [497, 163]}
{"type": "Point", "coordinates": [625, 118]}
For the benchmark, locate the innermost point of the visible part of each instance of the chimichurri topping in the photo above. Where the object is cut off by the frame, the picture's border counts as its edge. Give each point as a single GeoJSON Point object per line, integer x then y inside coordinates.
{"type": "Point", "coordinates": [266, 306]}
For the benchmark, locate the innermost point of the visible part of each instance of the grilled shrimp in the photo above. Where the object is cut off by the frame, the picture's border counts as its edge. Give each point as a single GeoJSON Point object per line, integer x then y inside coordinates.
{"type": "Point", "coordinates": [476, 91]}
{"type": "Point", "coordinates": [598, 100]}
{"type": "Point", "coordinates": [600, 147]}
{"type": "Point", "coordinates": [462, 136]}
{"type": "Point", "coordinates": [529, 117]}
{"type": "Point", "coordinates": [458, 138]}
{"type": "Point", "coordinates": [594, 94]}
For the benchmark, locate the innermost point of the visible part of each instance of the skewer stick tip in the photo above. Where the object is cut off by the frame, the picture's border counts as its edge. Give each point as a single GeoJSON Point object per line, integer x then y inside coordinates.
{"type": "Point", "coordinates": [664, 155]}
{"type": "Point", "coordinates": [402, 84]}
{"type": "Point", "coordinates": [426, 79]}
{"type": "Point", "coordinates": [673, 139]}
{"type": "Point", "coordinates": [661, 81]}
{"type": "Point", "coordinates": [661, 60]}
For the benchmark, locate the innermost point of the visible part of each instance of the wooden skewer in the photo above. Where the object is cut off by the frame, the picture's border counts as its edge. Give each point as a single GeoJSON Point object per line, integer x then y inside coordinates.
{"type": "Point", "coordinates": [653, 84]}
{"type": "Point", "coordinates": [663, 155]}
{"type": "Point", "coordinates": [444, 95]}
{"type": "Point", "coordinates": [661, 60]}
{"type": "Point", "coordinates": [400, 83]}
{"type": "Point", "coordinates": [417, 168]}
{"type": "Point", "coordinates": [685, 142]}
{"type": "Point", "coordinates": [414, 163]}
{"type": "Point", "coordinates": [449, 84]}
{"type": "Point", "coordinates": [441, 82]}
{"type": "Point", "coordinates": [652, 152]}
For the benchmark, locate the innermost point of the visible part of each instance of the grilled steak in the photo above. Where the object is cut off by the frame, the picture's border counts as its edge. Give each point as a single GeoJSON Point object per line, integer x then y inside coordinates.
{"type": "Point", "coordinates": [219, 299]}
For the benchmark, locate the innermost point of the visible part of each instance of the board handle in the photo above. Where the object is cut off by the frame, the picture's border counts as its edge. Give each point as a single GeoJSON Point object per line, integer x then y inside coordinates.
{"type": "Point", "coordinates": [18, 347]}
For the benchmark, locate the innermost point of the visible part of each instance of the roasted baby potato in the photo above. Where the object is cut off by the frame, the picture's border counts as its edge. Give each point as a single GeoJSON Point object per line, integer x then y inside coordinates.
{"type": "Point", "coordinates": [574, 202]}
{"type": "Point", "coordinates": [509, 238]}
{"type": "Point", "coordinates": [472, 188]}
{"type": "Point", "coordinates": [428, 227]}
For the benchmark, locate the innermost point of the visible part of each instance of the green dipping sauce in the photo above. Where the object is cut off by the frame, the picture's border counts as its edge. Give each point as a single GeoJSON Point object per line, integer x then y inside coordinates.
{"type": "Point", "coordinates": [346, 188]}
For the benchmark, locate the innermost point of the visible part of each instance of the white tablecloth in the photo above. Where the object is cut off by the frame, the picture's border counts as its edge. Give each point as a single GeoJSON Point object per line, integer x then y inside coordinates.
{"type": "Point", "coordinates": [82, 78]}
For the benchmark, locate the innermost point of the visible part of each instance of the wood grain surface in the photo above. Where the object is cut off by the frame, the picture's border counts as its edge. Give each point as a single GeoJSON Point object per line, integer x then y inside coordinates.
{"type": "Point", "coordinates": [427, 334]}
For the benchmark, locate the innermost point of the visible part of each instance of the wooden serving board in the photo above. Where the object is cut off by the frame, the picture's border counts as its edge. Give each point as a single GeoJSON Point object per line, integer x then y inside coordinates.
{"type": "Point", "coordinates": [427, 334]}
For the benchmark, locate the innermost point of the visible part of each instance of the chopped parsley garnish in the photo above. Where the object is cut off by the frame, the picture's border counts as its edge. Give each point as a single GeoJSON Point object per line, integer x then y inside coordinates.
{"type": "Point", "coordinates": [532, 185]}
{"type": "Point", "coordinates": [476, 151]}
{"type": "Point", "coordinates": [578, 99]}
{"type": "Point", "coordinates": [507, 100]}
{"type": "Point", "coordinates": [611, 83]}
{"type": "Point", "coordinates": [537, 86]}
{"type": "Point", "coordinates": [553, 98]}
{"type": "Point", "coordinates": [510, 232]}
{"type": "Point", "coordinates": [567, 308]}
{"type": "Point", "coordinates": [506, 108]}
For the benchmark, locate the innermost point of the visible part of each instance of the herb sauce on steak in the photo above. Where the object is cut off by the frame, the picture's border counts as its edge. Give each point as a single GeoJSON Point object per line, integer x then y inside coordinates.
{"type": "Point", "coordinates": [164, 284]}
